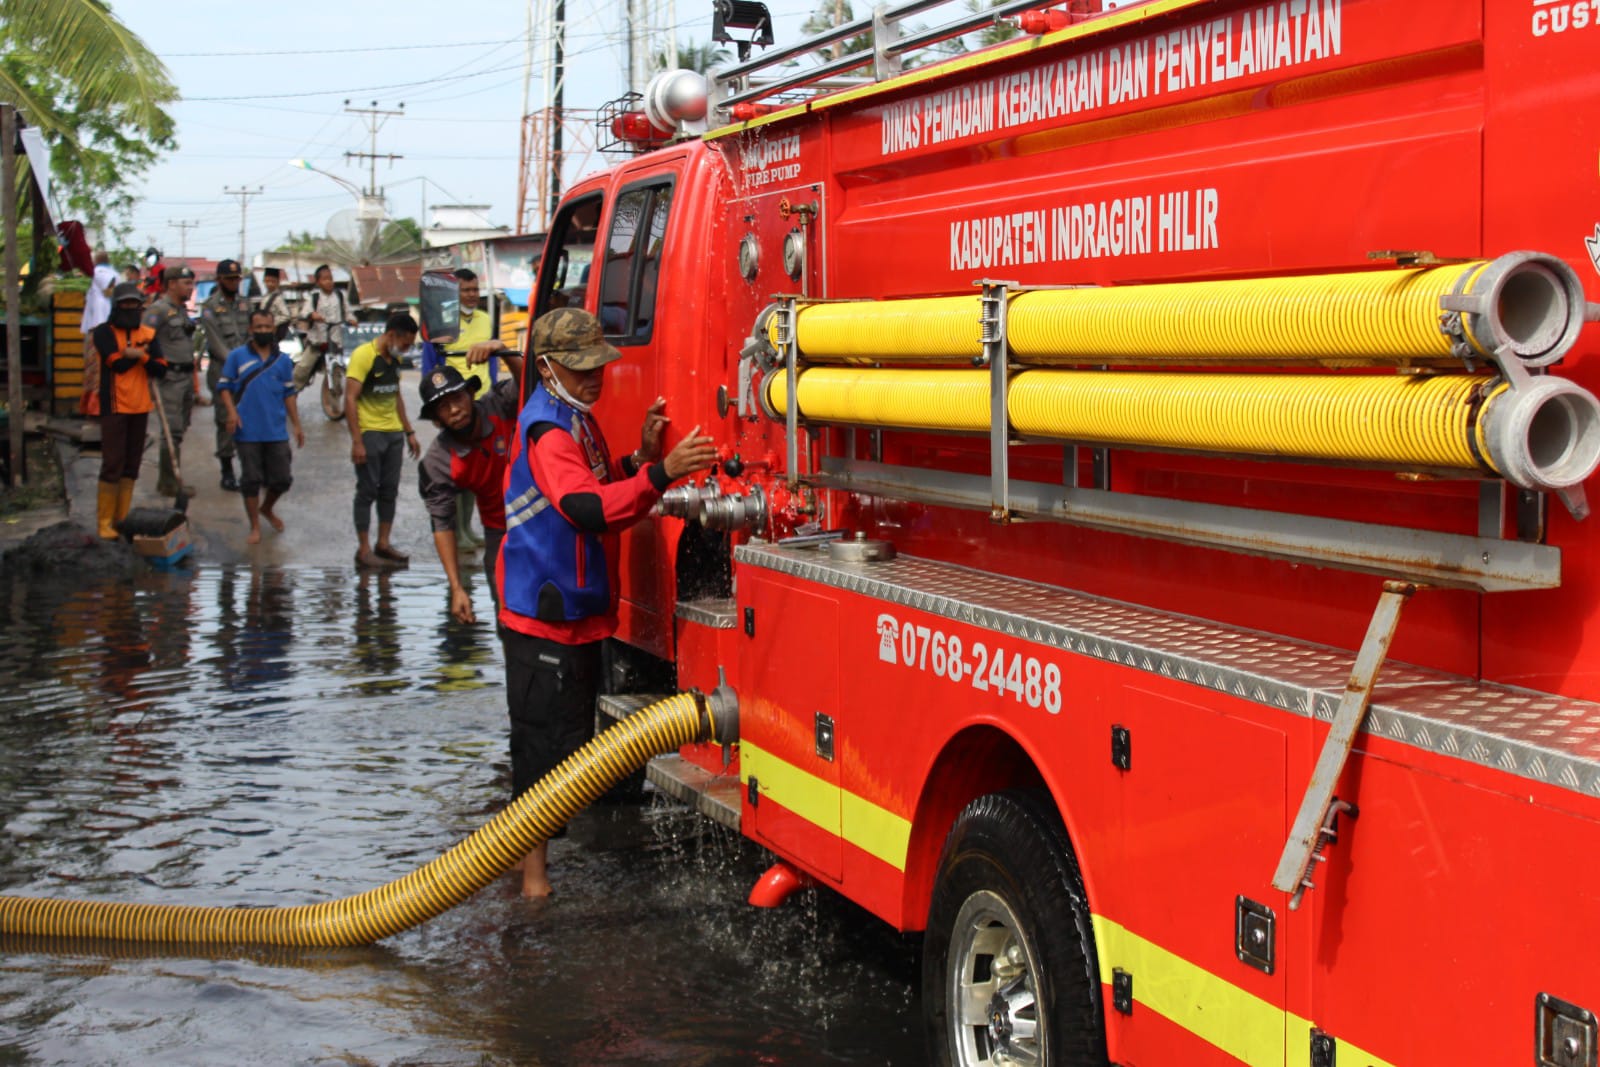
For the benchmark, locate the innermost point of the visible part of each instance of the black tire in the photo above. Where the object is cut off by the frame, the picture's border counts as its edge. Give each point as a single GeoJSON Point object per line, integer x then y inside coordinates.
{"type": "Point", "coordinates": [1008, 888]}
{"type": "Point", "coordinates": [332, 392]}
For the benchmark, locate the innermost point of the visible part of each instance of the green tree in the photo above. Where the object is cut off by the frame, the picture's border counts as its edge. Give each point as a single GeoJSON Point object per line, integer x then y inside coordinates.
{"type": "Point", "coordinates": [297, 242]}
{"type": "Point", "coordinates": [831, 13]}
{"type": "Point", "coordinates": [698, 57]}
{"type": "Point", "coordinates": [98, 94]}
{"type": "Point", "coordinates": [401, 235]}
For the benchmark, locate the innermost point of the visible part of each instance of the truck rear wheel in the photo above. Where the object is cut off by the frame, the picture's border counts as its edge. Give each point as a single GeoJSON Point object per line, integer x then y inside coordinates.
{"type": "Point", "coordinates": [1009, 973]}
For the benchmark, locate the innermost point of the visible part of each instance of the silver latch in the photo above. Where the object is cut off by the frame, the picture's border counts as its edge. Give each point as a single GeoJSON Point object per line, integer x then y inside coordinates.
{"type": "Point", "coordinates": [1253, 934]}
{"type": "Point", "coordinates": [1565, 1035]}
{"type": "Point", "coordinates": [825, 736]}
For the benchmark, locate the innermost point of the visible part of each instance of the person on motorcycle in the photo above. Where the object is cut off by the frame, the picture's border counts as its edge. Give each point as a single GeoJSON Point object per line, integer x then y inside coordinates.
{"type": "Point", "coordinates": [326, 314]}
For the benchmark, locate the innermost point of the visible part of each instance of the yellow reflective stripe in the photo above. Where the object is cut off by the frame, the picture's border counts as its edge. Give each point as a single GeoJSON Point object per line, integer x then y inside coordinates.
{"type": "Point", "coordinates": [1239, 1023]}
{"type": "Point", "coordinates": [875, 830]}
{"type": "Point", "coordinates": [1299, 1035]}
{"type": "Point", "coordinates": [1217, 1011]}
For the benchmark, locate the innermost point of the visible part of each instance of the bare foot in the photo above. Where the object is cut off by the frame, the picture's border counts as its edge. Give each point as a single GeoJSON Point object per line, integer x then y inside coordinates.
{"type": "Point", "coordinates": [277, 523]}
{"type": "Point", "coordinates": [255, 536]}
{"type": "Point", "coordinates": [536, 889]}
{"type": "Point", "coordinates": [368, 561]}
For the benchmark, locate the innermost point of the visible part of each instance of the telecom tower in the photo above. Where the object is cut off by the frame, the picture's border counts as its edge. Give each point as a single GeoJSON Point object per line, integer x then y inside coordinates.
{"type": "Point", "coordinates": [558, 140]}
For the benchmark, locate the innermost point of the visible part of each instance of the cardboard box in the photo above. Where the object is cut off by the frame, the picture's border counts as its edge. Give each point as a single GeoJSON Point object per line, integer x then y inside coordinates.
{"type": "Point", "coordinates": [168, 550]}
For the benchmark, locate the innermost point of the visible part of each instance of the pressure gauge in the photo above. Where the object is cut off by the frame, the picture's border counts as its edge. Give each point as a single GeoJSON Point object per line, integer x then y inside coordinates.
{"type": "Point", "coordinates": [749, 257]}
{"type": "Point", "coordinates": [794, 253]}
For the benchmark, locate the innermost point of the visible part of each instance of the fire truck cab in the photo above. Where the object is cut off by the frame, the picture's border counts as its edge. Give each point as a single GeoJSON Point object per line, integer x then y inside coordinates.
{"type": "Point", "coordinates": [1150, 550]}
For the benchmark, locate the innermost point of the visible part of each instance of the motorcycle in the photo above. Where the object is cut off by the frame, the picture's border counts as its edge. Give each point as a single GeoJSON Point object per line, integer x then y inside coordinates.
{"type": "Point", "coordinates": [334, 364]}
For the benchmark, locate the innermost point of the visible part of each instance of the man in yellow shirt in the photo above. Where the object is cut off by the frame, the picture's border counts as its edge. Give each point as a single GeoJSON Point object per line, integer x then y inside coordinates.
{"type": "Point", "coordinates": [379, 430]}
{"type": "Point", "coordinates": [477, 326]}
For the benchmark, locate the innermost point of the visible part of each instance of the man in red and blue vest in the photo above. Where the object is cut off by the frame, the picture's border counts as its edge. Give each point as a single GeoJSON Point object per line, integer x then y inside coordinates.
{"type": "Point", "coordinates": [566, 501]}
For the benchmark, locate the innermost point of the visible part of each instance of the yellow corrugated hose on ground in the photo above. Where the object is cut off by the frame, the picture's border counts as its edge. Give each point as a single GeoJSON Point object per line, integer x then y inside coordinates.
{"type": "Point", "coordinates": [436, 887]}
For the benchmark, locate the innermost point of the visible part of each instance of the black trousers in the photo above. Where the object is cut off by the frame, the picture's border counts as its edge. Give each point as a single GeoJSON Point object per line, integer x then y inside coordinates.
{"type": "Point", "coordinates": [121, 445]}
{"type": "Point", "coordinates": [551, 690]}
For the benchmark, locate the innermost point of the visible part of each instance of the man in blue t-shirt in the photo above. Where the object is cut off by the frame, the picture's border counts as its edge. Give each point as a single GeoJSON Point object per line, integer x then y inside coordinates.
{"type": "Point", "coordinates": [257, 393]}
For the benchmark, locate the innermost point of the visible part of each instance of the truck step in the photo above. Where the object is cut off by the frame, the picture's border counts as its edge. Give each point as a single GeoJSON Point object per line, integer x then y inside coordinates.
{"type": "Point", "coordinates": [716, 796]}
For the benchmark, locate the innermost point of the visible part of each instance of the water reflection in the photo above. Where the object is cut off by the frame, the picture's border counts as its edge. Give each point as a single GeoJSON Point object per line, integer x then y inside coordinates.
{"type": "Point", "coordinates": [286, 736]}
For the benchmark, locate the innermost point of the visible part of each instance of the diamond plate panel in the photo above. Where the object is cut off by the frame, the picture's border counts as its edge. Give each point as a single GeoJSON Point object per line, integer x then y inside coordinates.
{"type": "Point", "coordinates": [1537, 736]}
{"type": "Point", "coordinates": [717, 614]}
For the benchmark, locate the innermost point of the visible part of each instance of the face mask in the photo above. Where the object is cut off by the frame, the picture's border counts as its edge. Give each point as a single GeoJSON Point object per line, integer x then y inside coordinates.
{"type": "Point", "coordinates": [264, 340]}
{"type": "Point", "coordinates": [560, 390]}
{"type": "Point", "coordinates": [125, 318]}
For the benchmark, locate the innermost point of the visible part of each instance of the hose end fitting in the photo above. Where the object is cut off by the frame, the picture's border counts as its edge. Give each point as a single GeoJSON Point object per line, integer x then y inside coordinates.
{"type": "Point", "coordinates": [720, 712]}
{"type": "Point", "coordinates": [1543, 435]}
{"type": "Point", "coordinates": [1526, 304]}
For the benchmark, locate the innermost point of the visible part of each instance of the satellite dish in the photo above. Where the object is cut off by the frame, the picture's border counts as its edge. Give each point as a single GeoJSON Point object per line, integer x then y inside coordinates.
{"type": "Point", "coordinates": [354, 240]}
{"type": "Point", "coordinates": [344, 228]}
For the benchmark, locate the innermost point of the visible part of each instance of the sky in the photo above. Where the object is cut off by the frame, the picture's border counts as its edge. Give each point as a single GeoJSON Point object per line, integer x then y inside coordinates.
{"type": "Point", "coordinates": [265, 83]}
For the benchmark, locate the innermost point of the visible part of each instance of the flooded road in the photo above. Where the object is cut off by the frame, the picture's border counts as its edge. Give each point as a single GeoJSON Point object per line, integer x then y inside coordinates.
{"type": "Point", "coordinates": [286, 735]}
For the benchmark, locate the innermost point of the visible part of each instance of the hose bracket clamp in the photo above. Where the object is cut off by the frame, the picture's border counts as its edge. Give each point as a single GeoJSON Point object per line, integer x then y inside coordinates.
{"type": "Point", "coordinates": [992, 307]}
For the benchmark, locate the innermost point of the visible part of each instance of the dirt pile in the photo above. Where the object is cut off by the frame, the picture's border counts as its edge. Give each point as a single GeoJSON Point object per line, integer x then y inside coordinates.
{"type": "Point", "coordinates": [68, 550]}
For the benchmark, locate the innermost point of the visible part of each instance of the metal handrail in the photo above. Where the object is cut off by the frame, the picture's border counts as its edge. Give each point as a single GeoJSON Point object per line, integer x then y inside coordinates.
{"type": "Point", "coordinates": [966, 24]}
{"type": "Point", "coordinates": [848, 61]}
{"type": "Point", "coordinates": [730, 86]}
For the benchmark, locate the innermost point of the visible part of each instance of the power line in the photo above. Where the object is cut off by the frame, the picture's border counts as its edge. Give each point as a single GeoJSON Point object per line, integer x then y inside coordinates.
{"type": "Point", "coordinates": [338, 92]}
{"type": "Point", "coordinates": [334, 51]}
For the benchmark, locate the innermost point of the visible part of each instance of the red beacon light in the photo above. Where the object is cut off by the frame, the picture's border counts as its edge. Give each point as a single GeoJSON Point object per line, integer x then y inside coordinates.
{"type": "Point", "coordinates": [1050, 19]}
{"type": "Point", "coordinates": [746, 112]}
{"type": "Point", "coordinates": [1043, 21]}
{"type": "Point", "coordinates": [635, 128]}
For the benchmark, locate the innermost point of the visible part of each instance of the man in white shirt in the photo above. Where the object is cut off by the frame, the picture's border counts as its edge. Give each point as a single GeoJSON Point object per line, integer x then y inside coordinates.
{"type": "Point", "coordinates": [97, 301]}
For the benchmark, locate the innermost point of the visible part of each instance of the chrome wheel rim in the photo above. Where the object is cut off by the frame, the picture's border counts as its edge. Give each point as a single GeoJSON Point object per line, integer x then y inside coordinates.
{"type": "Point", "coordinates": [992, 993]}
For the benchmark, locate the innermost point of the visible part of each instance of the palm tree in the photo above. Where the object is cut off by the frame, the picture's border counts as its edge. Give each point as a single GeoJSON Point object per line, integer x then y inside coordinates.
{"type": "Point", "coordinates": [699, 57]}
{"type": "Point", "coordinates": [97, 92]}
{"type": "Point", "coordinates": [102, 63]}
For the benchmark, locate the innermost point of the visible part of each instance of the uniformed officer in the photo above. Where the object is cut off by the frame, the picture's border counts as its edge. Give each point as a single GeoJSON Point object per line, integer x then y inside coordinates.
{"type": "Point", "coordinates": [226, 318]}
{"type": "Point", "coordinates": [168, 316]}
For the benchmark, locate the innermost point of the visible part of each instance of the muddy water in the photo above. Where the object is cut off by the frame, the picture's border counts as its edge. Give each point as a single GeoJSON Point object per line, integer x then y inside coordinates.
{"type": "Point", "coordinates": [282, 736]}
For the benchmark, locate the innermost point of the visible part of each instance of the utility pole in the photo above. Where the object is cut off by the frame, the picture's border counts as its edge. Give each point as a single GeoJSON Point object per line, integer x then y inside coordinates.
{"type": "Point", "coordinates": [557, 104]}
{"type": "Point", "coordinates": [183, 227]}
{"type": "Point", "coordinates": [13, 267]}
{"type": "Point", "coordinates": [244, 194]}
{"type": "Point", "coordinates": [375, 117]}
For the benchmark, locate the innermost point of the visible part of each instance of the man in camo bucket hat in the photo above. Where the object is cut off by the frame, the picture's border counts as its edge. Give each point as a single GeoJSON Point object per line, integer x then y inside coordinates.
{"type": "Point", "coordinates": [566, 502]}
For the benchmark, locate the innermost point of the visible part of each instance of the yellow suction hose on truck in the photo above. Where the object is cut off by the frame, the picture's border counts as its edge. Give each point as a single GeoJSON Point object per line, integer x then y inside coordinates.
{"type": "Point", "coordinates": [443, 883]}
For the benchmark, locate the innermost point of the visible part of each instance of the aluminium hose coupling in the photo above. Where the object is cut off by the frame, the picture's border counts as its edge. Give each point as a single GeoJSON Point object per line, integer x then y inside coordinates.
{"type": "Point", "coordinates": [712, 508]}
{"type": "Point", "coordinates": [1541, 433]}
{"type": "Point", "coordinates": [1524, 304]}
{"type": "Point", "coordinates": [720, 711]}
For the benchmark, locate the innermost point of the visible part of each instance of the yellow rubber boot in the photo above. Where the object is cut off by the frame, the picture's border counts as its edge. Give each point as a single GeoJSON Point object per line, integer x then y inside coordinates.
{"type": "Point", "coordinates": [124, 498]}
{"type": "Point", "coordinates": [106, 510]}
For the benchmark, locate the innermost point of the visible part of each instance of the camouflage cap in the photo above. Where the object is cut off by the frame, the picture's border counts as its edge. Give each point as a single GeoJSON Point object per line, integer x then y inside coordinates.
{"type": "Point", "coordinates": [572, 338]}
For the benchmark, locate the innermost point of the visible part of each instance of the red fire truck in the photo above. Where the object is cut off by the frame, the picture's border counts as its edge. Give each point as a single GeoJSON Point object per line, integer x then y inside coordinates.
{"type": "Point", "coordinates": [1150, 547]}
